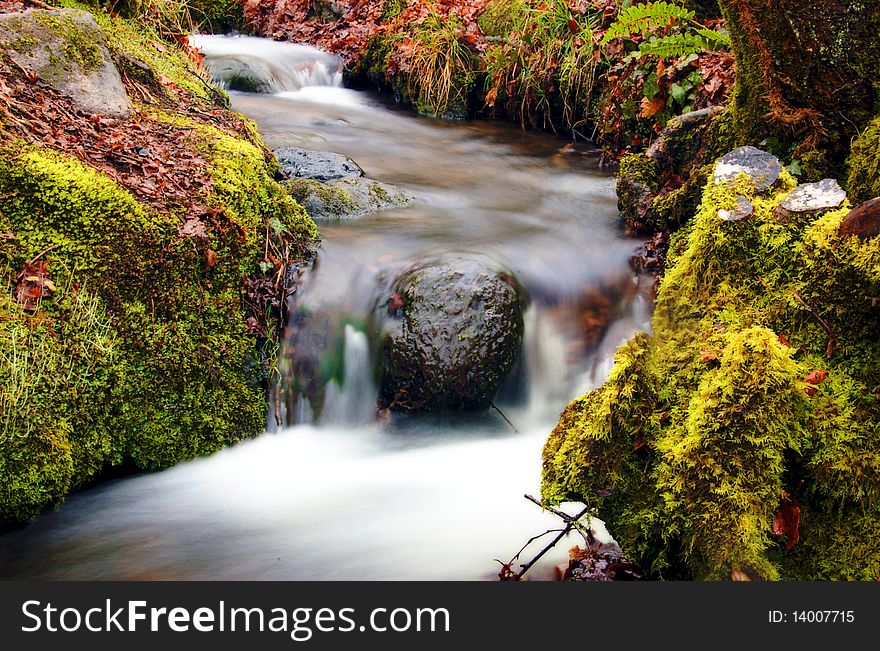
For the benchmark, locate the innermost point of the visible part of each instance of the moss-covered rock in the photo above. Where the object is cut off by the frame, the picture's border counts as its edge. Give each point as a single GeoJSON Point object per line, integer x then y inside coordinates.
{"type": "Point", "coordinates": [708, 425]}
{"type": "Point", "coordinates": [141, 346]}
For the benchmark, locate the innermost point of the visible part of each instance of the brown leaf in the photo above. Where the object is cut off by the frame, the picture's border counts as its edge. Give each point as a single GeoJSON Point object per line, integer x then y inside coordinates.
{"type": "Point", "coordinates": [709, 355]}
{"type": "Point", "coordinates": [211, 258]}
{"type": "Point", "coordinates": [787, 520]}
{"type": "Point", "coordinates": [652, 107]}
{"type": "Point", "coordinates": [783, 340]}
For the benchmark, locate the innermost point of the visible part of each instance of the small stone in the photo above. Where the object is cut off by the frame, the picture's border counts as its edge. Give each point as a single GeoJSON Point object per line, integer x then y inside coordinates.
{"type": "Point", "coordinates": [762, 168]}
{"type": "Point", "coordinates": [810, 199]}
{"type": "Point", "coordinates": [143, 152]}
{"type": "Point", "coordinates": [741, 210]}
{"type": "Point", "coordinates": [863, 220]}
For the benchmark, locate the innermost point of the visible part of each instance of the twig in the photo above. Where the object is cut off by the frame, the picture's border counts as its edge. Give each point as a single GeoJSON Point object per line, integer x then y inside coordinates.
{"type": "Point", "coordinates": [42, 253]}
{"type": "Point", "coordinates": [585, 532]}
{"type": "Point", "coordinates": [512, 426]}
{"type": "Point", "coordinates": [526, 566]}
{"type": "Point", "coordinates": [832, 337]}
{"type": "Point", "coordinates": [38, 3]}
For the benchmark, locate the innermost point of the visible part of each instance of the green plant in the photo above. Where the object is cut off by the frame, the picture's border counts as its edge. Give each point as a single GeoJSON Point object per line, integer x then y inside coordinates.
{"type": "Point", "coordinates": [440, 66]}
{"type": "Point", "coordinates": [646, 19]}
{"type": "Point", "coordinates": [546, 66]}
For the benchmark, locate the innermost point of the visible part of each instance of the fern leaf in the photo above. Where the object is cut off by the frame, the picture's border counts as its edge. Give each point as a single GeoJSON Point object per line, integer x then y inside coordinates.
{"type": "Point", "coordinates": [714, 38]}
{"type": "Point", "coordinates": [673, 46]}
{"type": "Point", "coordinates": [640, 18]}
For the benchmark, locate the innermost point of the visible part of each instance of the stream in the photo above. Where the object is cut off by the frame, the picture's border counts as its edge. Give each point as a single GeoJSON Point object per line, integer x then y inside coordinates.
{"type": "Point", "coordinates": [340, 492]}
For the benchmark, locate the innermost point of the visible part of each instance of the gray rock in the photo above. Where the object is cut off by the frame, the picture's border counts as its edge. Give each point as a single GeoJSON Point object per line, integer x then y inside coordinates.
{"type": "Point", "coordinates": [297, 163]}
{"type": "Point", "coordinates": [741, 210]}
{"type": "Point", "coordinates": [810, 199]}
{"type": "Point", "coordinates": [451, 331]}
{"type": "Point", "coordinates": [346, 199]}
{"type": "Point", "coordinates": [760, 167]}
{"type": "Point", "coordinates": [69, 51]}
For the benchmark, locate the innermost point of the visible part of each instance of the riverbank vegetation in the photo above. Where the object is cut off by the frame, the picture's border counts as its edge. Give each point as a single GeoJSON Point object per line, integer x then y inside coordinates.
{"type": "Point", "coordinates": [145, 257]}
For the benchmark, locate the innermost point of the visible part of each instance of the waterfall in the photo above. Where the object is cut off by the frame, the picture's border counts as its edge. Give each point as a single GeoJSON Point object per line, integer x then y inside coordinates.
{"type": "Point", "coordinates": [353, 402]}
{"type": "Point", "coordinates": [259, 65]}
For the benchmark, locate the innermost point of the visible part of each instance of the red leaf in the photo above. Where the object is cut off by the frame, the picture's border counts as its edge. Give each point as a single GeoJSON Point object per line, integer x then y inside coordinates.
{"type": "Point", "coordinates": [787, 520]}
{"type": "Point", "coordinates": [816, 377]}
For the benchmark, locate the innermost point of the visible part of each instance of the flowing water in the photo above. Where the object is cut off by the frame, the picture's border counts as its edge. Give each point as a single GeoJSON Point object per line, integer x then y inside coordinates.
{"type": "Point", "coordinates": [336, 491]}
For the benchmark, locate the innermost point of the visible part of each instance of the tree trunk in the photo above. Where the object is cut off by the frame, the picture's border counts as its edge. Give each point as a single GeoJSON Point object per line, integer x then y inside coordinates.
{"type": "Point", "coordinates": [808, 72]}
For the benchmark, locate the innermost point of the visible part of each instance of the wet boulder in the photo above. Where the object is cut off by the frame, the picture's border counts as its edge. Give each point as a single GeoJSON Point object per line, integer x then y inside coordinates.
{"type": "Point", "coordinates": [347, 198]}
{"type": "Point", "coordinates": [451, 331]}
{"type": "Point", "coordinates": [68, 50]}
{"type": "Point", "coordinates": [322, 166]}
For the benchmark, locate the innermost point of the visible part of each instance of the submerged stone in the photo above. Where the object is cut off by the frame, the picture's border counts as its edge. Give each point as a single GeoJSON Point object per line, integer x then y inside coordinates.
{"type": "Point", "coordinates": [761, 168]}
{"type": "Point", "coordinates": [297, 163]}
{"type": "Point", "coordinates": [810, 199]}
{"type": "Point", "coordinates": [863, 220]}
{"type": "Point", "coordinates": [69, 52]}
{"type": "Point", "coordinates": [347, 198]}
{"type": "Point", "coordinates": [451, 331]}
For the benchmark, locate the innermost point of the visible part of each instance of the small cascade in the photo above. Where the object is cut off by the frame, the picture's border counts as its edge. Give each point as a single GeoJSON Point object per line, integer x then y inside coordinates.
{"type": "Point", "coordinates": [260, 65]}
{"type": "Point", "coordinates": [353, 402]}
{"type": "Point", "coordinates": [546, 367]}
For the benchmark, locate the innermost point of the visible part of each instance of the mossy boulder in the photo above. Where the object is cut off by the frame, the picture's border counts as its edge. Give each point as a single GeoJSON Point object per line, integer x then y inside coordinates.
{"type": "Point", "coordinates": [756, 392]}
{"type": "Point", "coordinates": [450, 333]}
{"type": "Point", "coordinates": [142, 345]}
{"type": "Point", "coordinates": [69, 51]}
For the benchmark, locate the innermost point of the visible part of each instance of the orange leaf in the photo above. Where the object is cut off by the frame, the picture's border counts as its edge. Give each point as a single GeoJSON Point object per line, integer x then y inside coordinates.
{"type": "Point", "coordinates": [787, 520]}
{"type": "Point", "coordinates": [816, 377]}
{"type": "Point", "coordinates": [783, 340]}
{"type": "Point", "coordinates": [708, 355]}
{"type": "Point", "coordinates": [652, 107]}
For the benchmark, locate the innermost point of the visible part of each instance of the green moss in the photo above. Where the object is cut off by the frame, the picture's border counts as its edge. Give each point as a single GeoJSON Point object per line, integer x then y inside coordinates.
{"type": "Point", "coordinates": [716, 405]}
{"type": "Point", "coordinates": [391, 9]}
{"type": "Point", "coordinates": [142, 354]}
{"type": "Point", "coordinates": [332, 200]}
{"type": "Point", "coordinates": [499, 16]}
{"type": "Point", "coordinates": [217, 16]}
{"type": "Point", "coordinates": [863, 164]}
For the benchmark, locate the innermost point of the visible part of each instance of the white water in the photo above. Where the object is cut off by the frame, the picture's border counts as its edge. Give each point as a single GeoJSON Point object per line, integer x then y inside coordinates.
{"type": "Point", "coordinates": [355, 496]}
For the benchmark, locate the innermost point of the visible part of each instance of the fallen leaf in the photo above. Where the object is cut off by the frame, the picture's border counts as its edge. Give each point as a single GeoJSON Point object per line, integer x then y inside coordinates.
{"type": "Point", "coordinates": [787, 520]}
{"type": "Point", "coordinates": [816, 377]}
{"type": "Point", "coordinates": [709, 355]}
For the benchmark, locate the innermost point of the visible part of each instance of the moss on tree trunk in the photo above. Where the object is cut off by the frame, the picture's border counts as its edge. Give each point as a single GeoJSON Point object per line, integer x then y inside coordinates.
{"type": "Point", "coordinates": [808, 71]}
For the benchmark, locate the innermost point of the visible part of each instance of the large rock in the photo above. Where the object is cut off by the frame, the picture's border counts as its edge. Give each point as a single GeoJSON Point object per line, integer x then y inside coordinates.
{"type": "Point", "coordinates": [451, 332]}
{"type": "Point", "coordinates": [69, 52]}
{"type": "Point", "coordinates": [761, 168]}
{"type": "Point", "coordinates": [297, 163]}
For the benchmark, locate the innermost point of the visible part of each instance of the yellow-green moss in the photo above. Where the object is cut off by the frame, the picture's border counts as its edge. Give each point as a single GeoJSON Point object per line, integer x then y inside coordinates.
{"type": "Point", "coordinates": [863, 164]}
{"type": "Point", "coordinates": [716, 405]}
{"type": "Point", "coordinates": [142, 354]}
{"type": "Point", "coordinates": [499, 16]}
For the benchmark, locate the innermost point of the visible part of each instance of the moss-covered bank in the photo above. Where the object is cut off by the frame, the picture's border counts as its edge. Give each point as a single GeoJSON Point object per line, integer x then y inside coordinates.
{"type": "Point", "coordinates": [141, 345]}
{"type": "Point", "coordinates": [717, 427]}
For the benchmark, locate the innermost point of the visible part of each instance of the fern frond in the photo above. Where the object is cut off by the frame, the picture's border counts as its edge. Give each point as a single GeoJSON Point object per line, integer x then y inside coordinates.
{"type": "Point", "coordinates": [714, 38]}
{"type": "Point", "coordinates": [642, 17]}
{"type": "Point", "coordinates": [673, 46]}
